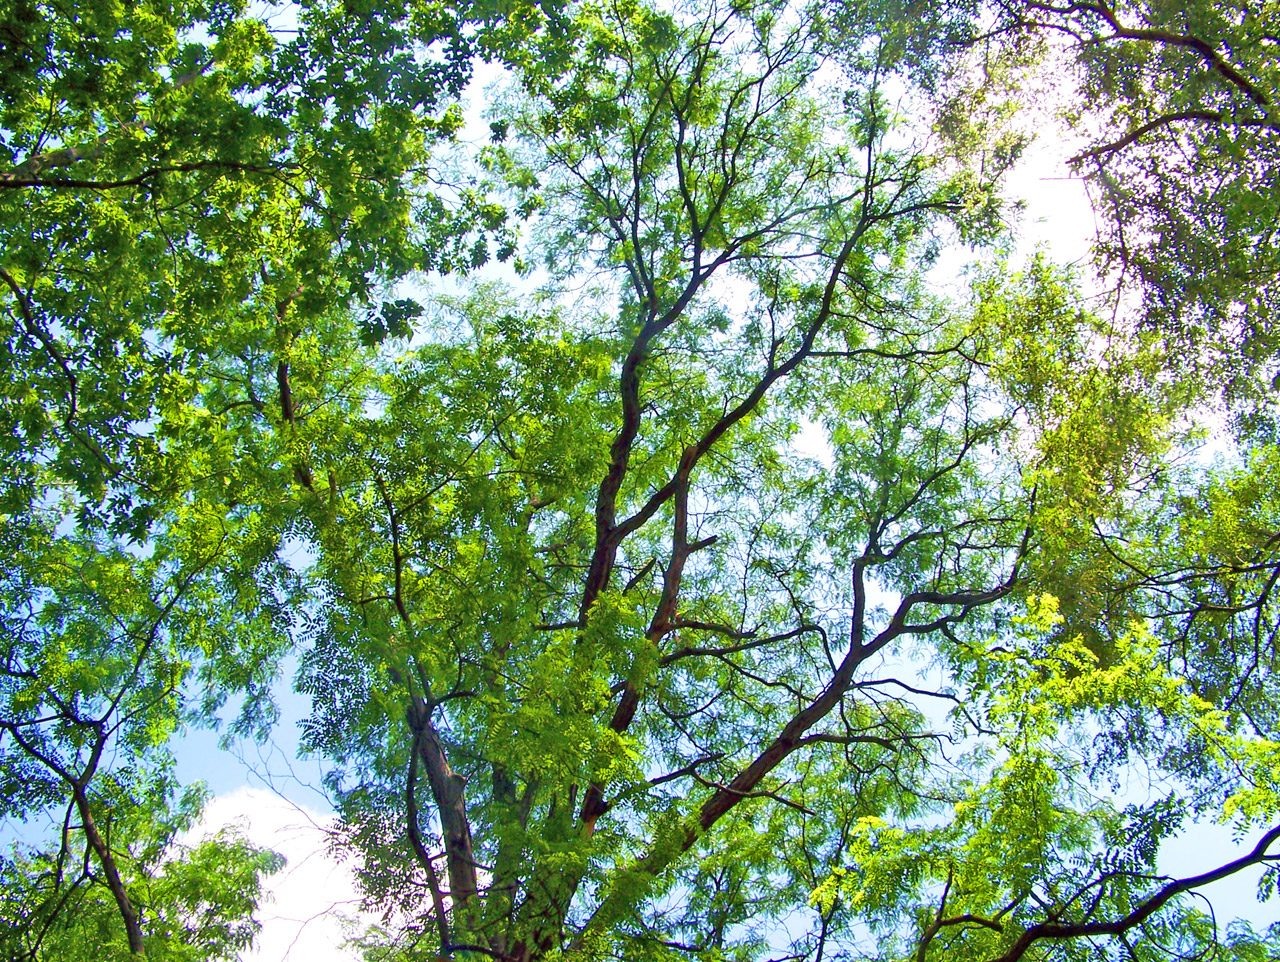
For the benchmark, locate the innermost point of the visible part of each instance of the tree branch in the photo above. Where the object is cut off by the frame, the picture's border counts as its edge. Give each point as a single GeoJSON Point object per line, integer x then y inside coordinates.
{"type": "Point", "coordinates": [18, 181]}
{"type": "Point", "coordinates": [1206, 116]}
{"type": "Point", "coordinates": [1146, 909]}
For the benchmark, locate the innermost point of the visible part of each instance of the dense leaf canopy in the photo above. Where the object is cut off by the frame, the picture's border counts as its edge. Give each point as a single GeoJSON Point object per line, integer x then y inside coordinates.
{"type": "Point", "coordinates": [732, 586]}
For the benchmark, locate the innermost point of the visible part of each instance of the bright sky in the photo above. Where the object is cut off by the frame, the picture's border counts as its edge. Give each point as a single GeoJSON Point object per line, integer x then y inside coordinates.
{"type": "Point", "coordinates": [313, 906]}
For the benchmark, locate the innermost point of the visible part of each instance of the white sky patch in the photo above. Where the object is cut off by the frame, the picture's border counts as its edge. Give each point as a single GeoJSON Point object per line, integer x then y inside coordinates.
{"type": "Point", "coordinates": [1058, 214]}
{"type": "Point", "coordinates": [312, 906]}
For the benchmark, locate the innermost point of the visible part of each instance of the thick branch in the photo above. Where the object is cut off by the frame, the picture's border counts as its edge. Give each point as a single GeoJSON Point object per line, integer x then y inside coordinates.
{"type": "Point", "coordinates": [419, 849]}
{"type": "Point", "coordinates": [129, 914]}
{"type": "Point", "coordinates": [447, 790]}
{"type": "Point", "coordinates": [18, 180]}
{"type": "Point", "coordinates": [1144, 911]}
{"type": "Point", "coordinates": [1207, 51]}
{"type": "Point", "coordinates": [1207, 116]}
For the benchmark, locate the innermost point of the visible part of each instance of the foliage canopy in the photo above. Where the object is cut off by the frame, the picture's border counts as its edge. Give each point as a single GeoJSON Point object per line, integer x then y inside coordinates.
{"type": "Point", "coordinates": [737, 592]}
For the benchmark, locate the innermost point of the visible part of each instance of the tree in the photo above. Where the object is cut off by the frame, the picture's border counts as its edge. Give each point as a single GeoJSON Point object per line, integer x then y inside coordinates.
{"type": "Point", "coordinates": [180, 189]}
{"type": "Point", "coordinates": [98, 647]}
{"type": "Point", "coordinates": [606, 661]}
{"type": "Point", "coordinates": [1176, 106]}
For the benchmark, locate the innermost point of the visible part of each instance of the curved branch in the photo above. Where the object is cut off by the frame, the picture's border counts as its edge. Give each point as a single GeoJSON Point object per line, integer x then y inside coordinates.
{"type": "Point", "coordinates": [1062, 930]}
{"type": "Point", "coordinates": [1133, 136]}
{"type": "Point", "coordinates": [1208, 53]}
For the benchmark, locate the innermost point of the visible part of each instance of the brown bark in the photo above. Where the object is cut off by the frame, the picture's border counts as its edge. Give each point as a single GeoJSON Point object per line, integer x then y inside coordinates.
{"type": "Point", "coordinates": [448, 791]}
{"type": "Point", "coordinates": [420, 850]}
{"type": "Point", "coordinates": [17, 180]}
{"type": "Point", "coordinates": [129, 914]}
{"type": "Point", "coordinates": [1057, 931]}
